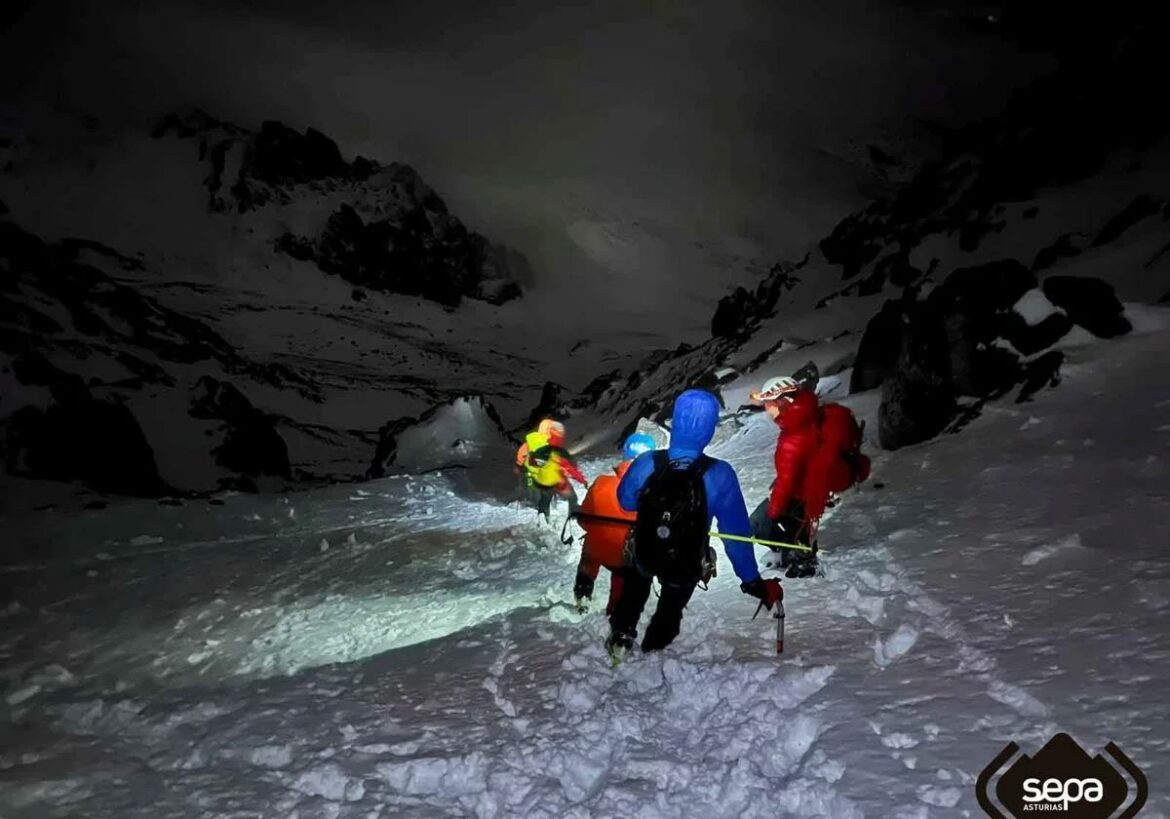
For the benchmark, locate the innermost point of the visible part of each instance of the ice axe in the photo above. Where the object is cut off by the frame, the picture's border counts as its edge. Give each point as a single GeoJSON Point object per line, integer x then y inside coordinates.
{"type": "Point", "coordinates": [778, 616]}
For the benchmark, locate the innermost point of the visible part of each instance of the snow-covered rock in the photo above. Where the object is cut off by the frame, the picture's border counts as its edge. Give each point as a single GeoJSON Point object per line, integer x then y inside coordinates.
{"type": "Point", "coordinates": [105, 386]}
{"type": "Point", "coordinates": [460, 433]}
{"type": "Point", "coordinates": [387, 229]}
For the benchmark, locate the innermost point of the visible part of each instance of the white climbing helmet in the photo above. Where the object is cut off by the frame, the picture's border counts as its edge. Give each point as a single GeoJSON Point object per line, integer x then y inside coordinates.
{"type": "Point", "coordinates": [775, 388]}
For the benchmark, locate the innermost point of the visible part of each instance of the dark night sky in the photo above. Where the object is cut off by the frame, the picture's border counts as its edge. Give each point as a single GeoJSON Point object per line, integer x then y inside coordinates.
{"type": "Point", "coordinates": [738, 124]}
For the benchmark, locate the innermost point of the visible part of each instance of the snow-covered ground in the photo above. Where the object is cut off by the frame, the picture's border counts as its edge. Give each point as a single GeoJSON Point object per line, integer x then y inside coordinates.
{"type": "Point", "coordinates": [392, 649]}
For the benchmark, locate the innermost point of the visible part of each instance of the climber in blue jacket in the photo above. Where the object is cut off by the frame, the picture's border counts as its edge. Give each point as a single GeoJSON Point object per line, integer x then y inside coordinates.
{"type": "Point", "coordinates": [676, 493]}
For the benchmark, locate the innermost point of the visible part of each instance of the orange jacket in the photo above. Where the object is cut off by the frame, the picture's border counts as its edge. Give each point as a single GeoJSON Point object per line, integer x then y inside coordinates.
{"type": "Point", "coordinates": [604, 541]}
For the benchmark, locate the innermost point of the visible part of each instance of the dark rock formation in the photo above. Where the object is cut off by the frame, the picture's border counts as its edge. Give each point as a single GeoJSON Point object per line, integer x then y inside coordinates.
{"type": "Point", "coordinates": [879, 347]}
{"type": "Point", "coordinates": [1089, 302]}
{"type": "Point", "coordinates": [918, 399]}
{"type": "Point", "coordinates": [1008, 159]}
{"type": "Point", "coordinates": [595, 389]}
{"type": "Point", "coordinates": [738, 313]}
{"type": "Point", "coordinates": [77, 437]}
{"type": "Point", "coordinates": [1141, 207]}
{"type": "Point", "coordinates": [281, 156]}
{"type": "Point", "coordinates": [386, 449]}
{"type": "Point", "coordinates": [251, 444]}
{"type": "Point", "coordinates": [1039, 373]}
{"type": "Point", "coordinates": [1060, 249]}
{"type": "Point", "coordinates": [927, 354]}
{"type": "Point", "coordinates": [1031, 339]}
{"type": "Point", "coordinates": [88, 353]}
{"type": "Point", "coordinates": [551, 405]}
{"type": "Point", "coordinates": [984, 288]}
{"type": "Point", "coordinates": [391, 231]}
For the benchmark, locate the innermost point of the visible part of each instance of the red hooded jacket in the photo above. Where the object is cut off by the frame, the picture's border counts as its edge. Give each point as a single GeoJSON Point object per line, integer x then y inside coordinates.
{"type": "Point", "coordinates": [811, 459]}
{"type": "Point", "coordinates": [799, 439]}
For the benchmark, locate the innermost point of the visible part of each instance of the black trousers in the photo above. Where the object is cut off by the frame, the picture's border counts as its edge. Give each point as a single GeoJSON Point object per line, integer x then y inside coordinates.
{"type": "Point", "coordinates": [795, 530]}
{"type": "Point", "coordinates": [546, 494]}
{"type": "Point", "coordinates": [664, 625]}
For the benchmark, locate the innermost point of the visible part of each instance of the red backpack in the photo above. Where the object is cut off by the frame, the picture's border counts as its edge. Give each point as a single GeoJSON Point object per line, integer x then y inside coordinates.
{"type": "Point", "coordinates": [838, 462]}
{"type": "Point", "coordinates": [840, 448]}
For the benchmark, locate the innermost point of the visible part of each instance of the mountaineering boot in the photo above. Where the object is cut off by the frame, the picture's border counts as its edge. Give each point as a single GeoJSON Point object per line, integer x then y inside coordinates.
{"type": "Point", "coordinates": [617, 645]}
{"type": "Point", "coordinates": [806, 565]}
{"type": "Point", "coordinates": [583, 591]}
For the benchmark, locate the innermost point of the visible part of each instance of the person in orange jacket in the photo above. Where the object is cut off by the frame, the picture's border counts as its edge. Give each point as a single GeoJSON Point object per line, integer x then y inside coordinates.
{"type": "Point", "coordinates": [606, 525]}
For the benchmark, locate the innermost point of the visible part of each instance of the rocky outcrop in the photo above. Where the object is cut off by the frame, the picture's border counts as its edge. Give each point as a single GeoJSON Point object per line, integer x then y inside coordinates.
{"type": "Point", "coordinates": [552, 404]}
{"type": "Point", "coordinates": [1141, 207]}
{"type": "Point", "coordinates": [1064, 247]}
{"type": "Point", "coordinates": [460, 433]}
{"type": "Point", "coordinates": [1089, 302]}
{"type": "Point", "coordinates": [419, 253]}
{"type": "Point", "coordinates": [967, 340]}
{"type": "Point", "coordinates": [72, 437]}
{"type": "Point", "coordinates": [251, 445]}
{"type": "Point", "coordinates": [918, 397]}
{"type": "Point", "coordinates": [97, 377]}
{"type": "Point", "coordinates": [740, 312]}
{"type": "Point", "coordinates": [380, 227]}
{"type": "Point", "coordinates": [994, 165]}
{"type": "Point", "coordinates": [878, 350]}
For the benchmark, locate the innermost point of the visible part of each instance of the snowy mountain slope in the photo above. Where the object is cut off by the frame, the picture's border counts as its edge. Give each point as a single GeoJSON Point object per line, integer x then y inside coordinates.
{"type": "Point", "coordinates": [985, 593]}
{"type": "Point", "coordinates": [191, 221]}
{"type": "Point", "coordinates": [262, 235]}
{"type": "Point", "coordinates": [107, 387]}
{"type": "Point", "coordinates": [1039, 198]}
{"type": "Point", "coordinates": [248, 233]}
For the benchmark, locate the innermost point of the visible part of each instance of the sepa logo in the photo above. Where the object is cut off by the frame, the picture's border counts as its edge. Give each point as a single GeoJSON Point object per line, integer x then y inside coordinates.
{"type": "Point", "coordinates": [1062, 779]}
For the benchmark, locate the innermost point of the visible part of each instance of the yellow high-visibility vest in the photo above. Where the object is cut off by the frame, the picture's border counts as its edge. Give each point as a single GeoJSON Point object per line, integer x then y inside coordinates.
{"type": "Point", "coordinates": [544, 467]}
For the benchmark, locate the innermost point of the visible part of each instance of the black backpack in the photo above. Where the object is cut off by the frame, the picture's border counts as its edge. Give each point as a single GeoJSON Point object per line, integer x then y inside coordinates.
{"type": "Point", "coordinates": [670, 533]}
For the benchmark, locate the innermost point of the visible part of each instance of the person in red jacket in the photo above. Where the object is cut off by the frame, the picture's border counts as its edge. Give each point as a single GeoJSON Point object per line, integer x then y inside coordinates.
{"type": "Point", "coordinates": [818, 453]}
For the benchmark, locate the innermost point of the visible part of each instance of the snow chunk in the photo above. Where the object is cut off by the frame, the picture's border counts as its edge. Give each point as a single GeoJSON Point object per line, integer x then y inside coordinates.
{"type": "Point", "coordinates": [145, 540]}
{"type": "Point", "coordinates": [1018, 699]}
{"type": "Point", "coordinates": [899, 741]}
{"type": "Point", "coordinates": [1034, 556]}
{"type": "Point", "coordinates": [895, 646]}
{"type": "Point", "coordinates": [1033, 307]}
{"type": "Point", "coordinates": [22, 694]}
{"type": "Point", "coordinates": [456, 776]}
{"type": "Point", "coordinates": [270, 756]}
{"type": "Point", "coordinates": [330, 782]}
{"type": "Point", "coordinates": [940, 797]}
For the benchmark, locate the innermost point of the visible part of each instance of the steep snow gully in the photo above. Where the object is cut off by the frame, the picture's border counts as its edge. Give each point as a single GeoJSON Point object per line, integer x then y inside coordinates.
{"type": "Point", "coordinates": [394, 650]}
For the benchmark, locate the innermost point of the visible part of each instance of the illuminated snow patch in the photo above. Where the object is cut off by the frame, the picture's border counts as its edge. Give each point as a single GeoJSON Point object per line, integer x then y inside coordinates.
{"type": "Point", "coordinates": [341, 629]}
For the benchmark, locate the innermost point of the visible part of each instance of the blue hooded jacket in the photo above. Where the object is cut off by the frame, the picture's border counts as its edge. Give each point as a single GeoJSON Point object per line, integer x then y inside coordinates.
{"type": "Point", "coordinates": [692, 426]}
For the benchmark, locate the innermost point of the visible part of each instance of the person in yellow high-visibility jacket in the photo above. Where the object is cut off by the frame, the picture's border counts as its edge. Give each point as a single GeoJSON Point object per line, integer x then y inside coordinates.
{"type": "Point", "coordinates": [549, 466]}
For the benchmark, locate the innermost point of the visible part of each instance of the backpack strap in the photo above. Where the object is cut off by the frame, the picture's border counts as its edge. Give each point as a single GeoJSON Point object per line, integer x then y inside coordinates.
{"type": "Point", "coordinates": [700, 464]}
{"type": "Point", "coordinates": [661, 459]}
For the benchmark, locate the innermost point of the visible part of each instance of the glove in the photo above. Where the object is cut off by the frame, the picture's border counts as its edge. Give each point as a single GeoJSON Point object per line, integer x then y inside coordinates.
{"type": "Point", "coordinates": [768, 592]}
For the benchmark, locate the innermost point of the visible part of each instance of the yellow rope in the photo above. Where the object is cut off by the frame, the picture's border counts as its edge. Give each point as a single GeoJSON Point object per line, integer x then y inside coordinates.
{"type": "Point", "coordinates": [762, 542]}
